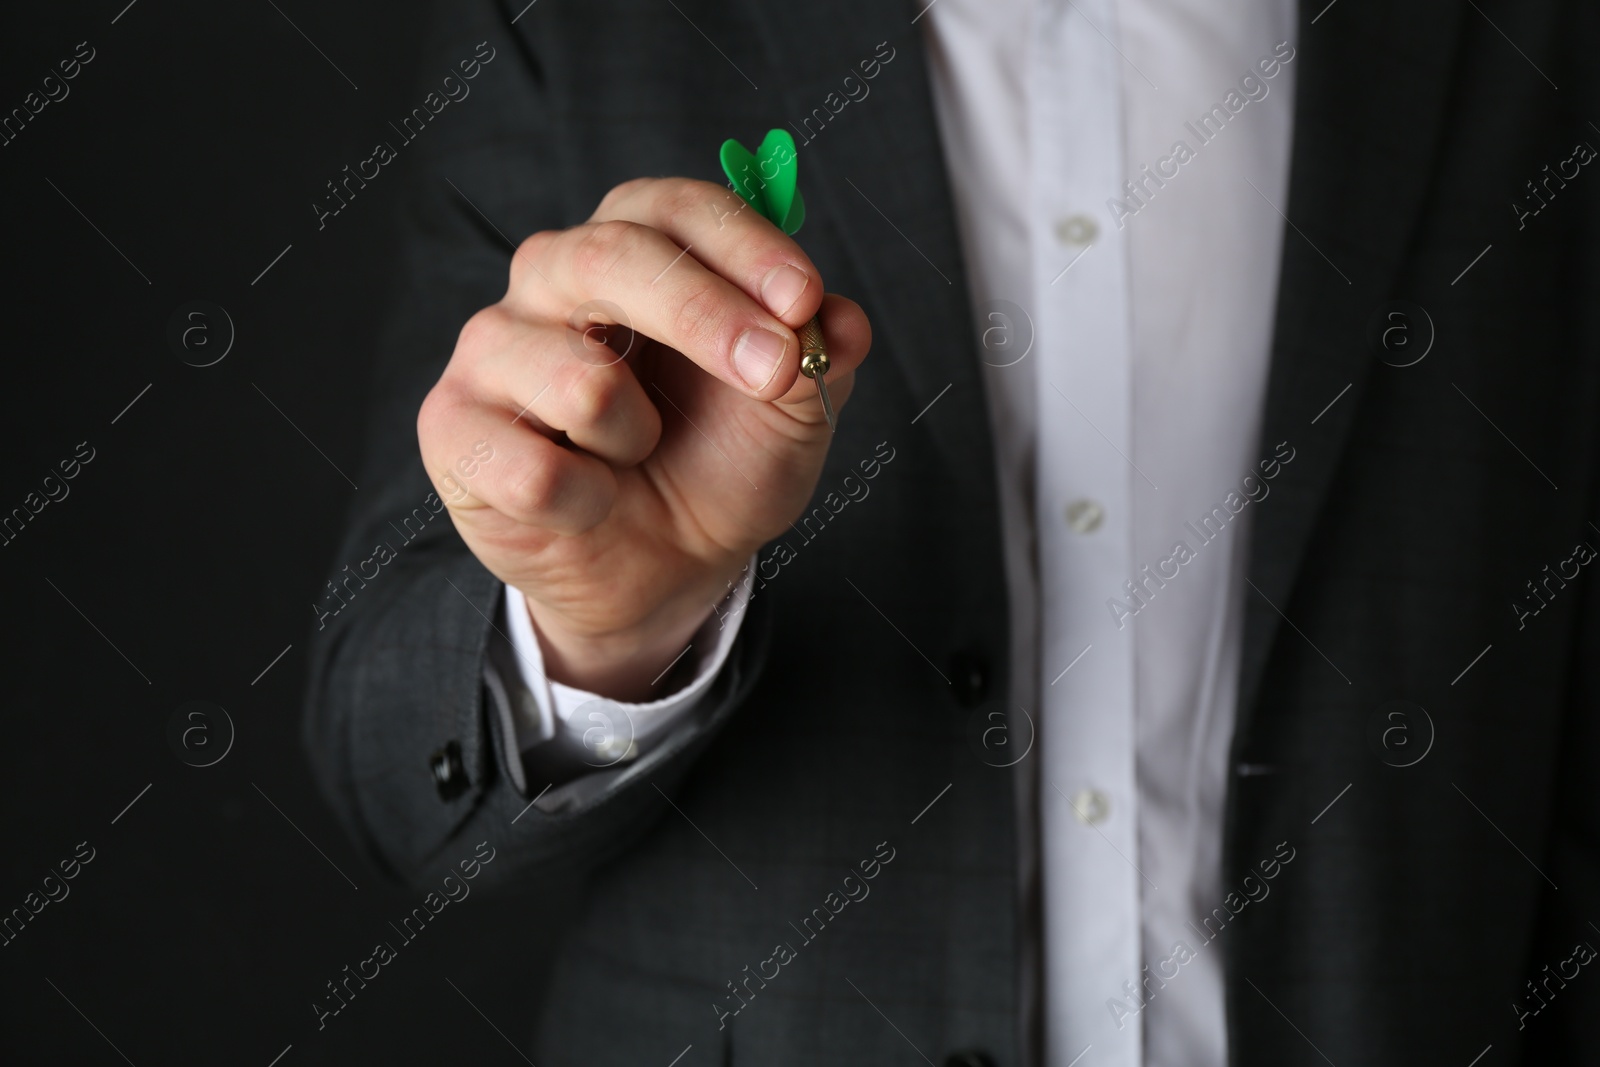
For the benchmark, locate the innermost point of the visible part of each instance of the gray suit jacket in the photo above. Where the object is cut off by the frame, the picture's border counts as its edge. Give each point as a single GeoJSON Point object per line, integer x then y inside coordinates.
{"type": "Point", "coordinates": [1398, 546]}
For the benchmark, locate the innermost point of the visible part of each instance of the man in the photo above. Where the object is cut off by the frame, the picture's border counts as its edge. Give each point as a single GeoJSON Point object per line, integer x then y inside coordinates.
{"type": "Point", "coordinates": [1178, 654]}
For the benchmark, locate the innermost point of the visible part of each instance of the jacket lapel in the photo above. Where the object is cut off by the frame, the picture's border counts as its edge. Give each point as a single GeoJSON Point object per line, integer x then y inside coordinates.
{"type": "Point", "coordinates": [1373, 81]}
{"type": "Point", "coordinates": [875, 172]}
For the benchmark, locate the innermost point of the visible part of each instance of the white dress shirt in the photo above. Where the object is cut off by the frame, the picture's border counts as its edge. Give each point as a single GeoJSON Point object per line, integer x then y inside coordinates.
{"type": "Point", "coordinates": [1126, 331]}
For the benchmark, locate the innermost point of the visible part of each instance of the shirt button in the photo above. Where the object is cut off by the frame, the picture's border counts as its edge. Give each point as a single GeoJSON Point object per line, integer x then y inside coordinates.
{"type": "Point", "coordinates": [613, 749]}
{"type": "Point", "coordinates": [1091, 806]}
{"type": "Point", "coordinates": [610, 740]}
{"type": "Point", "coordinates": [1077, 230]}
{"type": "Point", "coordinates": [1084, 516]}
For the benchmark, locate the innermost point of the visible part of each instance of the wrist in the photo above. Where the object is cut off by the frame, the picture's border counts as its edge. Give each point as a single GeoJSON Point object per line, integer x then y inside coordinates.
{"type": "Point", "coordinates": [629, 665]}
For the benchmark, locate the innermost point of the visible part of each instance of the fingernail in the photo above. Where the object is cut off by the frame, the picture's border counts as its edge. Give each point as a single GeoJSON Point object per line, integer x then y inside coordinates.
{"type": "Point", "coordinates": [756, 357]}
{"type": "Point", "coordinates": [782, 287]}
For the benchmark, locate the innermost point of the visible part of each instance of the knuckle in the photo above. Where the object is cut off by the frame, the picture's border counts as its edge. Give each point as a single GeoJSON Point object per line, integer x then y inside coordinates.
{"type": "Point", "coordinates": [686, 198]}
{"type": "Point", "coordinates": [478, 333]}
{"type": "Point", "coordinates": [530, 253]}
{"type": "Point", "coordinates": [428, 415]}
{"type": "Point", "coordinates": [532, 489]}
{"type": "Point", "coordinates": [698, 322]}
{"type": "Point", "coordinates": [620, 193]}
{"type": "Point", "coordinates": [440, 410]}
{"type": "Point", "coordinates": [590, 395]}
{"type": "Point", "coordinates": [601, 246]}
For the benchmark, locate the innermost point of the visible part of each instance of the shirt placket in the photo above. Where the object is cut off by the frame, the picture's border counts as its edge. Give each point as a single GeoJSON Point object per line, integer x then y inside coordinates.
{"type": "Point", "coordinates": [1088, 793]}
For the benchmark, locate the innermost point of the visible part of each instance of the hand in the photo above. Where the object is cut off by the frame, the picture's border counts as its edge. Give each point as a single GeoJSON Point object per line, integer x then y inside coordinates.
{"type": "Point", "coordinates": [645, 423]}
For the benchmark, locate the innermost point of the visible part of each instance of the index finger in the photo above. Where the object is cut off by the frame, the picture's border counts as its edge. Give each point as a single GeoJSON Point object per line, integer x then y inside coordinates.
{"type": "Point", "coordinates": [627, 272]}
{"type": "Point", "coordinates": [728, 236]}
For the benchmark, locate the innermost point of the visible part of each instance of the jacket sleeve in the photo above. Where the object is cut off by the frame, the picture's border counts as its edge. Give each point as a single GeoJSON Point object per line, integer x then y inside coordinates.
{"type": "Point", "coordinates": [398, 727]}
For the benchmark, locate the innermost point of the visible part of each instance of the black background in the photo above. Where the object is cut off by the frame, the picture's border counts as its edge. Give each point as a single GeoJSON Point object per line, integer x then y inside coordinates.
{"type": "Point", "coordinates": [194, 543]}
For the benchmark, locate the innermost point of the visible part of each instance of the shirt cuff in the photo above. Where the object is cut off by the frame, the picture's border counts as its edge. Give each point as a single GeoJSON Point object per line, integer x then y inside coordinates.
{"type": "Point", "coordinates": [613, 730]}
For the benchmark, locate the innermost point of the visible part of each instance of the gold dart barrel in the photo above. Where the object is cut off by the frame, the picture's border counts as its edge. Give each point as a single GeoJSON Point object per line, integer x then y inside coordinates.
{"type": "Point", "coordinates": [813, 352]}
{"type": "Point", "coordinates": [814, 364]}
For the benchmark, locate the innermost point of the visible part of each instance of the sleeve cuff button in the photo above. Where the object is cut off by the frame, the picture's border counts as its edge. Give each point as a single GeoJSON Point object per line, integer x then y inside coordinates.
{"type": "Point", "coordinates": [449, 774]}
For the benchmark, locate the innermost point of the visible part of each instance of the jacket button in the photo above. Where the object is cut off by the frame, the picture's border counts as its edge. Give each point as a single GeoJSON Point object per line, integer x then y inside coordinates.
{"type": "Point", "coordinates": [449, 775]}
{"type": "Point", "coordinates": [969, 677]}
{"type": "Point", "coordinates": [969, 1058]}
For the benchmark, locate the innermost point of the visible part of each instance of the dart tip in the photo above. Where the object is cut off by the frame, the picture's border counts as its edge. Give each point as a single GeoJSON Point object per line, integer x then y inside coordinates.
{"type": "Point", "coordinates": [827, 405]}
